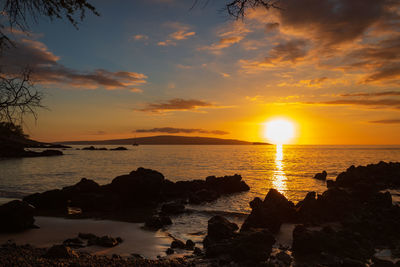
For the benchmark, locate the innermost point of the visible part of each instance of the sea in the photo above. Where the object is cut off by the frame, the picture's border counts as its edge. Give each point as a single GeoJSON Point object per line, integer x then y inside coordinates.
{"type": "Point", "coordinates": [288, 168]}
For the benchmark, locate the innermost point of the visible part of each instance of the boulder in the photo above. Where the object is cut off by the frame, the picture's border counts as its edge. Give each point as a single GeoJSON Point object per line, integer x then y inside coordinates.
{"type": "Point", "coordinates": [274, 210]}
{"type": "Point", "coordinates": [173, 208]}
{"type": "Point", "coordinates": [189, 244]}
{"type": "Point", "coordinates": [178, 244]}
{"type": "Point", "coordinates": [157, 222]}
{"type": "Point", "coordinates": [220, 228]}
{"type": "Point", "coordinates": [60, 252]}
{"type": "Point", "coordinates": [120, 148]}
{"type": "Point", "coordinates": [50, 200]}
{"type": "Point", "coordinates": [321, 176]}
{"type": "Point", "coordinates": [16, 216]}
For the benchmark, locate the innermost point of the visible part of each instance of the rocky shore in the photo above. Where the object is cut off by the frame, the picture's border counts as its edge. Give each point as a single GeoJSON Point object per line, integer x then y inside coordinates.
{"type": "Point", "coordinates": [346, 225]}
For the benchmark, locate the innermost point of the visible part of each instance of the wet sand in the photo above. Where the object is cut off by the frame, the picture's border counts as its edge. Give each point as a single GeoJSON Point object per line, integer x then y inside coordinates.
{"type": "Point", "coordinates": [52, 231]}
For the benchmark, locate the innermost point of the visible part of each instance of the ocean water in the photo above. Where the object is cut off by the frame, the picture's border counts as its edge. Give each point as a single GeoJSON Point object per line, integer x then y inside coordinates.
{"type": "Point", "coordinates": [288, 168]}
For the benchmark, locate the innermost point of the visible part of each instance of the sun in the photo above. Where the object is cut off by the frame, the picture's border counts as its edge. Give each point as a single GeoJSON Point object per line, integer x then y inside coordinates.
{"type": "Point", "coordinates": [279, 131]}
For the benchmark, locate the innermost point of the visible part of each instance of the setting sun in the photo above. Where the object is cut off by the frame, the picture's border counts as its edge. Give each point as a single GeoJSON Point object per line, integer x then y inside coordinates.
{"type": "Point", "coordinates": [279, 131]}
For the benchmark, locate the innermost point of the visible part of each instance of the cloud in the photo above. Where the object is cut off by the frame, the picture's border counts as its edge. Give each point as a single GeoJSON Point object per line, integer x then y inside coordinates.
{"type": "Point", "coordinates": [231, 34]}
{"type": "Point", "coordinates": [375, 103]}
{"type": "Point", "coordinates": [358, 38]}
{"type": "Point", "coordinates": [175, 104]}
{"type": "Point", "coordinates": [385, 93]}
{"type": "Point", "coordinates": [172, 130]}
{"type": "Point", "coordinates": [140, 37]}
{"type": "Point", "coordinates": [291, 51]}
{"type": "Point", "coordinates": [182, 32]}
{"type": "Point", "coordinates": [47, 70]}
{"type": "Point", "coordinates": [393, 121]}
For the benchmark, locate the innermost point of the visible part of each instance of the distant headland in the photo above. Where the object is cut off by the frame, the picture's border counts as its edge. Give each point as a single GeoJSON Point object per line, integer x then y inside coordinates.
{"type": "Point", "coordinates": [166, 140]}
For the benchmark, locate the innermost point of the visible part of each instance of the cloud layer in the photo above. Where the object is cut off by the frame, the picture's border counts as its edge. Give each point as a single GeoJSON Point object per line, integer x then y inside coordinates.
{"type": "Point", "coordinates": [47, 70]}
{"type": "Point", "coordinates": [172, 130]}
{"type": "Point", "coordinates": [175, 104]}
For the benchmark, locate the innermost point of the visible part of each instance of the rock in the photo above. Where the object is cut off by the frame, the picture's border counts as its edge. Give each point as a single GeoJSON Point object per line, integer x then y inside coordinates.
{"type": "Point", "coordinates": [353, 263]}
{"type": "Point", "coordinates": [106, 241]}
{"type": "Point", "coordinates": [250, 246]}
{"type": "Point", "coordinates": [73, 243]}
{"type": "Point", "coordinates": [256, 203]}
{"type": "Point", "coordinates": [178, 244]}
{"type": "Point", "coordinates": [226, 184]}
{"type": "Point", "coordinates": [285, 258]}
{"type": "Point", "coordinates": [86, 185]}
{"type": "Point", "coordinates": [170, 251]}
{"type": "Point", "coordinates": [274, 210]}
{"type": "Point", "coordinates": [157, 222]}
{"type": "Point", "coordinates": [189, 244]}
{"type": "Point", "coordinates": [173, 208]}
{"type": "Point", "coordinates": [255, 246]}
{"type": "Point", "coordinates": [197, 251]}
{"type": "Point", "coordinates": [120, 148]}
{"type": "Point", "coordinates": [321, 176]}
{"type": "Point", "coordinates": [203, 195]}
{"type": "Point", "coordinates": [140, 187]}
{"type": "Point", "coordinates": [16, 216]}
{"type": "Point", "coordinates": [330, 183]}
{"type": "Point", "coordinates": [60, 252]}
{"type": "Point", "coordinates": [50, 152]}
{"type": "Point", "coordinates": [220, 228]}
{"type": "Point", "coordinates": [49, 200]}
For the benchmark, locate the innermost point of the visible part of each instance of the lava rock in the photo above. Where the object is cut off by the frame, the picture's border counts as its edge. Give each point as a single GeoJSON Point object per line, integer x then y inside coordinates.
{"type": "Point", "coordinates": [16, 216]}
{"type": "Point", "coordinates": [60, 252]}
{"type": "Point", "coordinates": [321, 176]}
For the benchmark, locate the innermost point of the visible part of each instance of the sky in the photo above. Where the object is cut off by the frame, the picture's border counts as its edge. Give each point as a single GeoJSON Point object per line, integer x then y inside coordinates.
{"type": "Point", "coordinates": [151, 67]}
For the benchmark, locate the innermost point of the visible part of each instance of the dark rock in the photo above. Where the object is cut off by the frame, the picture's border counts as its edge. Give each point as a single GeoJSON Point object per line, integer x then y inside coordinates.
{"type": "Point", "coordinates": [173, 208]}
{"type": "Point", "coordinates": [178, 244]}
{"type": "Point", "coordinates": [321, 176]}
{"type": "Point", "coordinates": [189, 244]}
{"type": "Point", "coordinates": [16, 216]}
{"type": "Point", "coordinates": [330, 183]}
{"type": "Point", "coordinates": [274, 210]}
{"type": "Point", "coordinates": [49, 200]}
{"type": "Point", "coordinates": [106, 241]}
{"type": "Point", "coordinates": [142, 186]}
{"type": "Point", "coordinates": [353, 263]}
{"type": "Point", "coordinates": [256, 203]}
{"type": "Point", "coordinates": [285, 258]}
{"type": "Point", "coordinates": [220, 228]}
{"type": "Point", "coordinates": [197, 251]}
{"type": "Point", "coordinates": [73, 243]}
{"type": "Point", "coordinates": [170, 251]}
{"type": "Point", "coordinates": [86, 185]}
{"type": "Point", "coordinates": [60, 252]}
{"type": "Point", "coordinates": [120, 148]}
{"type": "Point", "coordinates": [157, 222]}
{"type": "Point", "coordinates": [227, 184]}
{"type": "Point", "coordinates": [382, 263]}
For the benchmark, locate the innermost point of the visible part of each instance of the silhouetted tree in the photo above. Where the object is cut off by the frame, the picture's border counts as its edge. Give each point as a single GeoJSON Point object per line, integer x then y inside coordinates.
{"type": "Point", "coordinates": [18, 97]}
{"type": "Point", "coordinates": [237, 8]}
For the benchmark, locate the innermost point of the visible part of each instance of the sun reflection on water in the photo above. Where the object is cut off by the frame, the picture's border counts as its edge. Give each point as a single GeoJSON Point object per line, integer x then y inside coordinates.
{"type": "Point", "coordinates": [279, 180]}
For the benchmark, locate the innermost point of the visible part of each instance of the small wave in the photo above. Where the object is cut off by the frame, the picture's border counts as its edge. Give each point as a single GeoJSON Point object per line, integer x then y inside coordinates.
{"type": "Point", "coordinates": [12, 194]}
{"type": "Point", "coordinates": [220, 212]}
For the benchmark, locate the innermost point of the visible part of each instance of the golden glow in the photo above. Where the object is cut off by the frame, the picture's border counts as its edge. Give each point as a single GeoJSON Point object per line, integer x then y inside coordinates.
{"type": "Point", "coordinates": [279, 131]}
{"type": "Point", "coordinates": [279, 180]}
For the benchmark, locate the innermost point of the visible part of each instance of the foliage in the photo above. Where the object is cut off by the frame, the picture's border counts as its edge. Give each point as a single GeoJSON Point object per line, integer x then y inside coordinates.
{"type": "Point", "coordinates": [8, 129]}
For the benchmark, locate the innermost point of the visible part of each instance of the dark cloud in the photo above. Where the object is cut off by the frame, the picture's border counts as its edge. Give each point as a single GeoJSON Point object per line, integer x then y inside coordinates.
{"type": "Point", "coordinates": [335, 22]}
{"type": "Point", "coordinates": [376, 103]}
{"type": "Point", "coordinates": [386, 93]}
{"type": "Point", "coordinates": [46, 69]}
{"type": "Point", "coordinates": [290, 51]}
{"type": "Point", "coordinates": [172, 130]}
{"type": "Point", "coordinates": [394, 121]}
{"type": "Point", "coordinates": [175, 104]}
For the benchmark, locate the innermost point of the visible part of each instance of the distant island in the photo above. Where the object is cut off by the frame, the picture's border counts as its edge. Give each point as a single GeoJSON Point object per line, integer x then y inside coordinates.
{"type": "Point", "coordinates": [165, 140]}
